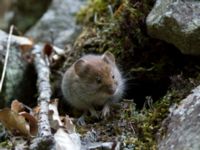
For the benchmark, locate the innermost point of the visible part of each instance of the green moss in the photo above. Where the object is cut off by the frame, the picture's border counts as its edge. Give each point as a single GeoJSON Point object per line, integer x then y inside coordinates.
{"type": "Point", "coordinates": [150, 120]}
{"type": "Point", "coordinates": [120, 29]}
{"type": "Point", "coordinates": [94, 8]}
{"type": "Point", "coordinates": [6, 144]}
{"type": "Point", "coordinates": [139, 129]}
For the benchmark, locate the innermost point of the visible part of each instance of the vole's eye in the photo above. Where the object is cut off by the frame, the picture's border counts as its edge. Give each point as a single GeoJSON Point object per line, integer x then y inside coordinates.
{"type": "Point", "coordinates": [113, 77]}
{"type": "Point", "coordinates": [98, 79]}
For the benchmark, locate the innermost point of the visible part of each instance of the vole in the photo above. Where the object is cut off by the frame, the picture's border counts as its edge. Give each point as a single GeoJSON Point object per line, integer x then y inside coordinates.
{"type": "Point", "coordinates": [93, 80]}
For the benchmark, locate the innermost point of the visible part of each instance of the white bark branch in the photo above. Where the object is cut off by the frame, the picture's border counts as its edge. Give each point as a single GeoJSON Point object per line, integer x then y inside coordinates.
{"type": "Point", "coordinates": [45, 138]}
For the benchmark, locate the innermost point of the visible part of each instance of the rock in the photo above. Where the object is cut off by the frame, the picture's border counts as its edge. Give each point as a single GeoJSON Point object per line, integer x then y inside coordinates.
{"type": "Point", "coordinates": [58, 24]}
{"type": "Point", "coordinates": [181, 127]}
{"type": "Point", "coordinates": [176, 22]}
{"type": "Point", "coordinates": [28, 11]}
{"type": "Point", "coordinates": [5, 13]}
{"type": "Point", "coordinates": [19, 82]}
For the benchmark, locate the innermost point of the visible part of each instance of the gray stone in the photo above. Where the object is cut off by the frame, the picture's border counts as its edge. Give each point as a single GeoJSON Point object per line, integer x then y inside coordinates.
{"type": "Point", "coordinates": [176, 22]}
{"type": "Point", "coordinates": [58, 25]}
{"type": "Point", "coordinates": [19, 80]}
{"type": "Point", "coordinates": [182, 130]}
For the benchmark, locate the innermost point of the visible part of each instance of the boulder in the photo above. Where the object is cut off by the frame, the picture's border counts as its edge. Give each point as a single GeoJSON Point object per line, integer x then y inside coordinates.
{"type": "Point", "coordinates": [180, 130]}
{"type": "Point", "coordinates": [19, 81]}
{"type": "Point", "coordinates": [58, 25]}
{"type": "Point", "coordinates": [176, 22]}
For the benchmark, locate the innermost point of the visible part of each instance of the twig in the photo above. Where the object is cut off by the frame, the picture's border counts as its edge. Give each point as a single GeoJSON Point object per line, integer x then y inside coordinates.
{"type": "Point", "coordinates": [6, 58]}
{"type": "Point", "coordinates": [45, 139]}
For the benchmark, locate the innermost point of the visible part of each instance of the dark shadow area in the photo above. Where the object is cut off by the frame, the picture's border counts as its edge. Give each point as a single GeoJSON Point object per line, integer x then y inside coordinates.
{"type": "Point", "coordinates": [153, 68]}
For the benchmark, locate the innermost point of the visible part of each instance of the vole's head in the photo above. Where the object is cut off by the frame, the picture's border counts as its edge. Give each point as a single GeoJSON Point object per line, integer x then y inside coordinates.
{"type": "Point", "coordinates": [97, 73]}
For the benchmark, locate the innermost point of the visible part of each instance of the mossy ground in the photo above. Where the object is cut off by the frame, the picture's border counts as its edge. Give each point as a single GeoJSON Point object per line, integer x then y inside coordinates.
{"type": "Point", "coordinates": [157, 74]}
{"type": "Point", "coordinates": [139, 129]}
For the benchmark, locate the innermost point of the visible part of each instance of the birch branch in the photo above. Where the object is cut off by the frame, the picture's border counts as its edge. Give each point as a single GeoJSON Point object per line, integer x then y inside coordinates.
{"type": "Point", "coordinates": [45, 138]}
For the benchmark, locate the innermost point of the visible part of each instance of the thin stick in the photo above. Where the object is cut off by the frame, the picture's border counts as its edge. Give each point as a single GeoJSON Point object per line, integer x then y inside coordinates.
{"type": "Point", "coordinates": [6, 58]}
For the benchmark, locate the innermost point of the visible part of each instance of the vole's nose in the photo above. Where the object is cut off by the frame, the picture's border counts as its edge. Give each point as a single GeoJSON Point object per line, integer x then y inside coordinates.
{"type": "Point", "coordinates": [111, 90]}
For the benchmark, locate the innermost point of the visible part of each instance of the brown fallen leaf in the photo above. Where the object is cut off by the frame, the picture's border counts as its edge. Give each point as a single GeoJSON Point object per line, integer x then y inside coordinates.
{"type": "Point", "coordinates": [36, 111]}
{"type": "Point", "coordinates": [22, 40]}
{"type": "Point", "coordinates": [48, 49]}
{"type": "Point", "coordinates": [17, 106]}
{"type": "Point", "coordinates": [14, 122]}
{"type": "Point", "coordinates": [25, 45]}
{"type": "Point", "coordinates": [31, 121]}
{"type": "Point", "coordinates": [25, 48]}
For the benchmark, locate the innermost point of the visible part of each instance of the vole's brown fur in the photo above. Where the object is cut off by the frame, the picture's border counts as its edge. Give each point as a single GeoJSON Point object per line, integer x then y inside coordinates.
{"type": "Point", "coordinates": [93, 80]}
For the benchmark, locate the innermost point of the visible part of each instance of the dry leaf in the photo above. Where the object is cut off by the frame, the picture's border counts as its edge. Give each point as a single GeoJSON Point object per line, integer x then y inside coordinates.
{"type": "Point", "coordinates": [16, 106]}
{"type": "Point", "coordinates": [25, 48]}
{"type": "Point", "coordinates": [65, 141]}
{"type": "Point", "coordinates": [32, 122]}
{"type": "Point", "coordinates": [54, 124]}
{"type": "Point", "coordinates": [25, 44]}
{"type": "Point", "coordinates": [54, 117]}
{"type": "Point", "coordinates": [68, 124]}
{"type": "Point", "coordinates": [59, 51]}
{"type": "Point", "coordinates": [36, 111]}
{"type": "Point", "coordinates": [14, 122]}
{"type": "Point", "coordinates": [48, 49]}
{"type": "Point", "coordinates": [22, 40]}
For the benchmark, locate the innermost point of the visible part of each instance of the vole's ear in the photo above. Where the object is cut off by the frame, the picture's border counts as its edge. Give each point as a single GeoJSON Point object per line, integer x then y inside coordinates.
{"type": "Point", "coordinates": [108, 57]}
{"type": "Point", "coordinates": [81, 67]}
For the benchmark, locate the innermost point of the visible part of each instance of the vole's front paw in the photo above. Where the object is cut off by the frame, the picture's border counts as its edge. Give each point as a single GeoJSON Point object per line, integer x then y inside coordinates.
{"type": "Point", "coordinates": [94, 113]}
{"type": "Point", "coordinates": [81, 121]}
{"type": "Point", "coordinates": [105, 111]}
